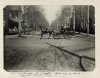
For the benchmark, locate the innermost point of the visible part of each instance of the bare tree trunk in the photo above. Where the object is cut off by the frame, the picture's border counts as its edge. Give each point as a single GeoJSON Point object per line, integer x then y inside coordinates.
{"type": "Point", "coordinates": [19, 29]}
{"type": "Point", "coordinates": [19, 24]}
{"type": "Point", "coordinates": [24, 28]}
{"type": "Point", "coordinates": [23, 15]}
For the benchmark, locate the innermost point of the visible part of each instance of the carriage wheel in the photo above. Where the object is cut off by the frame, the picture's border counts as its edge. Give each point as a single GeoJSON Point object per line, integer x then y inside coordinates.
{"type": "Point", "coordinates": [64, 35]}
{"type": "Point", "coordinates": [69, 36]}
{"type": "Point", "coordinates": [56, 36]}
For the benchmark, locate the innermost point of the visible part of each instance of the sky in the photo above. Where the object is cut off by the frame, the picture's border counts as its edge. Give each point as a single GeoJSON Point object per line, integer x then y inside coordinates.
{"type": "Point", "coordinates": [51, 11]}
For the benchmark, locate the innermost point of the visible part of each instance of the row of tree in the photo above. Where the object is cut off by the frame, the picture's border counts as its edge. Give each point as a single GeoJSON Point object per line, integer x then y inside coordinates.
{"type": "Point", "coordinates": [64, 18]}
{"type": "Point", "coordinates": [84, 16]}
{"type": "Point", "coordinates": [25, 18]}
{"type": "Point", "coordinates": [34, 17]}
{"type": "Point", "coordinates": [79, 18]}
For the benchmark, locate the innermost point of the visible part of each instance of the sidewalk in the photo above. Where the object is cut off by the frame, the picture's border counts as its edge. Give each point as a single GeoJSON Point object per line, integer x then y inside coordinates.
{"type": "Point", "coordinates": [11, 36]}
{"type": "Point", "coordinates": [90, 35]}
{"type": "Point", "coordinates": [15, 36]}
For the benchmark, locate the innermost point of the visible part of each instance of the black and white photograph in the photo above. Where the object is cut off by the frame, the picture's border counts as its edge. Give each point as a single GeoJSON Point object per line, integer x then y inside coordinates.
{"type": "Point", "coordinates": [49, 38]}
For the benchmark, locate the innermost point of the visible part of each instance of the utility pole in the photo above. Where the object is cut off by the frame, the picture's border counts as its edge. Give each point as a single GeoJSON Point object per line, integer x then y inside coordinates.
{"type": "Point", "coordinates": [81, 19]}
{"type": "Point", "coordinates": [58, 13]}
{"type": "Point", "coordinates": [74, 19]}
{"type": "Point", "coordinates": [88, 22]}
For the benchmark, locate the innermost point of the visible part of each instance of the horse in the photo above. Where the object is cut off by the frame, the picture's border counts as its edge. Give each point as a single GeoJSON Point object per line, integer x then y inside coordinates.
{"type": "Point", "coordinates": [46, 31]}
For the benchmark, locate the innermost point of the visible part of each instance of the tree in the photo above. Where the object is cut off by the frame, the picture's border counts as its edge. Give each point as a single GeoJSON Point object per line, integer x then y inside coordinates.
{"type": "Point", "coordinates": [35, 17]}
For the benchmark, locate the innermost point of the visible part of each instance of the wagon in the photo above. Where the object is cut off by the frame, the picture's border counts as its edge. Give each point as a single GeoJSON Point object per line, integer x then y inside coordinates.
{"type": "Point", "coordinates": [63, 33]}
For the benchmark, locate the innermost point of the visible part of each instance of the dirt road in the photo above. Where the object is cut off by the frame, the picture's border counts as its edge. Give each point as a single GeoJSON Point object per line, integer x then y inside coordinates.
{"type": "Point", "coordinates": [32, 53]}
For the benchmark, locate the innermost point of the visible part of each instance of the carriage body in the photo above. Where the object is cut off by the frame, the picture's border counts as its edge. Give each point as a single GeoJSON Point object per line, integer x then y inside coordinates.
{"type": "Point", "coordinates": [63, 32]}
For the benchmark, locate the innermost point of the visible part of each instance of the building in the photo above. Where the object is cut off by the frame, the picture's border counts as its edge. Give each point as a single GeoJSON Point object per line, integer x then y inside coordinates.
{"type": "Point", "coordinates": [11, 19]}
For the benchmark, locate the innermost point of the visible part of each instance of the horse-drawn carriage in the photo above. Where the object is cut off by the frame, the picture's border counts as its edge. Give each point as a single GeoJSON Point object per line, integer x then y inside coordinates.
{"type": "Point", "coordinates": [62, 32]}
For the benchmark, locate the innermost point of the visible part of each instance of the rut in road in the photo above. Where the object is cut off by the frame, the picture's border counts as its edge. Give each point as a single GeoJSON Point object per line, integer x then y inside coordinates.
{"type": "Point", "coordinates": [73, 57]}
